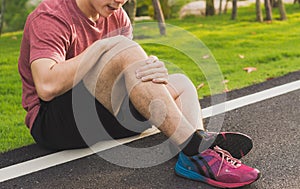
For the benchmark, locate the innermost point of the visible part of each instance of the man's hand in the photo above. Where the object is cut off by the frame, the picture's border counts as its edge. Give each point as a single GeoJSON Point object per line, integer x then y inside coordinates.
{"type": "Point", "coordinates": [154, 71]}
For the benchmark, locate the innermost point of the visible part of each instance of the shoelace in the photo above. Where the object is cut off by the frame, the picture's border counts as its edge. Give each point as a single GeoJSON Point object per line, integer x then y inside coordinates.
{"type": "Point", "coordinates": [228, 157]}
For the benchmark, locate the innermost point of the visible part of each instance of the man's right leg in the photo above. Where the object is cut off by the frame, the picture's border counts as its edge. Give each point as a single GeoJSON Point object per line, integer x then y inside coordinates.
{"type": "Point", "coordinates": [144, 95]}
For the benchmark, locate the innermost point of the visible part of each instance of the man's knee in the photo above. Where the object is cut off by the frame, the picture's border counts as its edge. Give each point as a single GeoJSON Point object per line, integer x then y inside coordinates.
{"type": "Point", "coordinates": [179, 77]}
{"type": "Point", "coordinates": [114, 44]}
{"type": "Point", "coordinates": [181, 82]}
{"type": "Point", "coordinates": [128, 53]}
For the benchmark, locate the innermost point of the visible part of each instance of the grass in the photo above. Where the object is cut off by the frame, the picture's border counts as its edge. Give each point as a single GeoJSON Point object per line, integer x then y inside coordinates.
{"type": "Point", "coordinates": [209, 50]}
{"type": "Point", "coordinates": [13, 132]}
{"type": "Point", "coordinates": [272, 48]}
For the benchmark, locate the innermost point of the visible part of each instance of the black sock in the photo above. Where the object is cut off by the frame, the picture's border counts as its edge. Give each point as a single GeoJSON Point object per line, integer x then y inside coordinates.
{"type": "Point", "coordinates": [191, 146]}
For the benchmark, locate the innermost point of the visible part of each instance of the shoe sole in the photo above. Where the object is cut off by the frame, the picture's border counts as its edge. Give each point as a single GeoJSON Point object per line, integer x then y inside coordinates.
{"type": "Point", "coordinates": [237, 144]}
{"type": "Point", "coordinates": [183, 172]}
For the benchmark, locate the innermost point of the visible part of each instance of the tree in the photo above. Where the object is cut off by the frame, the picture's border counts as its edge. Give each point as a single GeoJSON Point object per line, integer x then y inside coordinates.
{"type": "Point", "coordinates": [159, 16]}
{"type": "Point", "coordinates": [259, 16]}
{"type": "Point", "coordinates": [2, 10]}
{"type": "Point", "coordinates": [268, 9]}
{"type": "Point", "coordinates": [220, 7]}
{"type": "Point", "coordinates": [130, 8]}
{"type": "Point", "coordinates": [281, 10]}
{"type": "Point", "coordinates": [234, 10]}
{"type": "Point", "coordinates": [210, 8]}
{"type": "Point", "coordinates": [226, 6]}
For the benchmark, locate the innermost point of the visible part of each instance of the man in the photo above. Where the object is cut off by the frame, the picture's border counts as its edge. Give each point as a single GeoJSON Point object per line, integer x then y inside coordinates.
{"type": "Point", "coordinates": [84, 48]}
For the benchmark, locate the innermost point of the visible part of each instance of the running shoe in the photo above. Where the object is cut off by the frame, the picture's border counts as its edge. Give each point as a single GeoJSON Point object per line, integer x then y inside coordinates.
{"type": "Point", "coordinates": [216, 167]}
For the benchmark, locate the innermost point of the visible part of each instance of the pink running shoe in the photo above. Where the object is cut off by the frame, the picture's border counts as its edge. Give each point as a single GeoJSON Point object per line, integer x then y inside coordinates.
{"type": "Point", "coordinates": [217, 168]}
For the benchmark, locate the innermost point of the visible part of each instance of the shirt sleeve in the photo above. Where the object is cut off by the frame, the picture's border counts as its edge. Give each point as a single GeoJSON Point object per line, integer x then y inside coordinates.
{"type": "Point", "coordinates": [49, 38]}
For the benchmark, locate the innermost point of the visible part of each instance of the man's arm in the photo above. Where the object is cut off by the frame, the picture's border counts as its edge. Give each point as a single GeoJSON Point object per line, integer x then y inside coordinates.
{"type": "Point", "coordinates": [52, 79]}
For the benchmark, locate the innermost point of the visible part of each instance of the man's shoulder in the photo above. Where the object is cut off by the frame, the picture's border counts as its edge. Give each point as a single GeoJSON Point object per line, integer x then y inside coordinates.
{"type": "Point", "coordinates": [51, 8]}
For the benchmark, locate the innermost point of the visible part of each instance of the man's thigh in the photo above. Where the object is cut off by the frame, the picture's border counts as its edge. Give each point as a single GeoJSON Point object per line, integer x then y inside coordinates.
{"type": "Point", "coordinates": [106, 79]}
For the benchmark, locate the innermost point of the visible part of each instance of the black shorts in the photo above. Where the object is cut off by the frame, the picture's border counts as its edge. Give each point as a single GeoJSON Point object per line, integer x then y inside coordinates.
{"type": "Point", "coordinates": [61, 125]}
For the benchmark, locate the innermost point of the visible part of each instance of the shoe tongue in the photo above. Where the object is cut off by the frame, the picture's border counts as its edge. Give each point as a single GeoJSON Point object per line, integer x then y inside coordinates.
{"type": "Point", "coordinates": [206, 135]}
{"type": "Point", "coordinates": [207, 140]}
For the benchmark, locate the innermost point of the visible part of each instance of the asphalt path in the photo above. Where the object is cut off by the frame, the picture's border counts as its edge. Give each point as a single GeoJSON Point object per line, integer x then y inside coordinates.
{"type": "Point", "coordinates": [273, 124]}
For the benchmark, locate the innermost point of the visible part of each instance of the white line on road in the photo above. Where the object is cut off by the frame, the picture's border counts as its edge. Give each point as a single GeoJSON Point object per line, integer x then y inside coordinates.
{"type": "Point", "coordinates": [250, 99]}
{"type": "Point", "coordinates": [62, 157]}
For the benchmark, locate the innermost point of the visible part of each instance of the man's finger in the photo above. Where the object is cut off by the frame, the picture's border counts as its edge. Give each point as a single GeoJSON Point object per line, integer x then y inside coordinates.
{"type": "Point", "coordinates": [154, 72]}
{"type": "Point", "coordinates": [155, 65]}
{"type": "Point", "coordinates": [162, 75]}
{"type": "Point", "coordinates": [151, 59]}
{"type": "Point", "coordinates": [160, 80]}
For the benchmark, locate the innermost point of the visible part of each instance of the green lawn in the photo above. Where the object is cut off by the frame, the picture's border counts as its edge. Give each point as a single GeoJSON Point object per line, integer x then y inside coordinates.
{"type": "Point", "coordinates": [272, 48]}
{"type": "Point", "coordinates": [13, 132]}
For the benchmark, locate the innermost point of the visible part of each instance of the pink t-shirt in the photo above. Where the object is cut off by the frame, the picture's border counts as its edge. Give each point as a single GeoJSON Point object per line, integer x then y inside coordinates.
{"type": "Point", "coordinates": [58, 30]}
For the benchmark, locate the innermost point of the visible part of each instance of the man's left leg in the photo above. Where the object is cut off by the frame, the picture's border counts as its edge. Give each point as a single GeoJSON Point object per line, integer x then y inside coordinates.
{"type": "Point", "coordinates": [185, 95]}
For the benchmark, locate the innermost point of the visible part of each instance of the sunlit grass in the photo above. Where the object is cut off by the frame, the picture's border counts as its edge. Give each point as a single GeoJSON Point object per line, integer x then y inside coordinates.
{"type": "Point", "coordinates": [272, 48]}
{"type": "Point", "coordinates": [13, 132]}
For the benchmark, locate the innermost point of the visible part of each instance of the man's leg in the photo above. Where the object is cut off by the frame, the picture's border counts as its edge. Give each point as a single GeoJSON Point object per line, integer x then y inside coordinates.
{"type": "Point", "coordinates": [185, 95]}
{"type": "Point", "coordinates": [144, 95]}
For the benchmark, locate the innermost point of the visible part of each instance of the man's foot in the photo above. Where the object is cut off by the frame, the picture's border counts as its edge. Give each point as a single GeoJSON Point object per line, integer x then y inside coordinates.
{"type": "Point", "coordinates": [216, 167]}
{"type": "Point", "coordinates": [237, 144]}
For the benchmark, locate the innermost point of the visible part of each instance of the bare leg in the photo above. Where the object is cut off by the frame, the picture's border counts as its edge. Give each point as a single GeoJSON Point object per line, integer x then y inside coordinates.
{"type": "Point", "coordinates": [185, 95]}
{"type": "Point", "coordinates": [142, 94]}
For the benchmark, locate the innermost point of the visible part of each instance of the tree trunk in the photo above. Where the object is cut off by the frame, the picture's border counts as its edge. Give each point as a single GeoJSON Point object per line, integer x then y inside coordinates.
{"type": "Point", "coordinates": [2, 15]}
{"type": "Point", "coordinates": [259, 16]}
{"type": "Point", "coordinates": [220, 7]}
{"type": "Point", "coordinates": [234, 10]}
{"type": "Point", "coordinates": [210, 8]}
{"type": "Point", "coordinates": [281, 10]}
{"type": "Point", "coordinates": [268, 9]}
{"type": "Point", "coordinates": [226, 6]}
{"type": "Point", "coordinates": [159, 16]}
{"type": "Point", "coordinates": [274, 3]}
{"type": "Point", "coordinates": [130, 8]}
